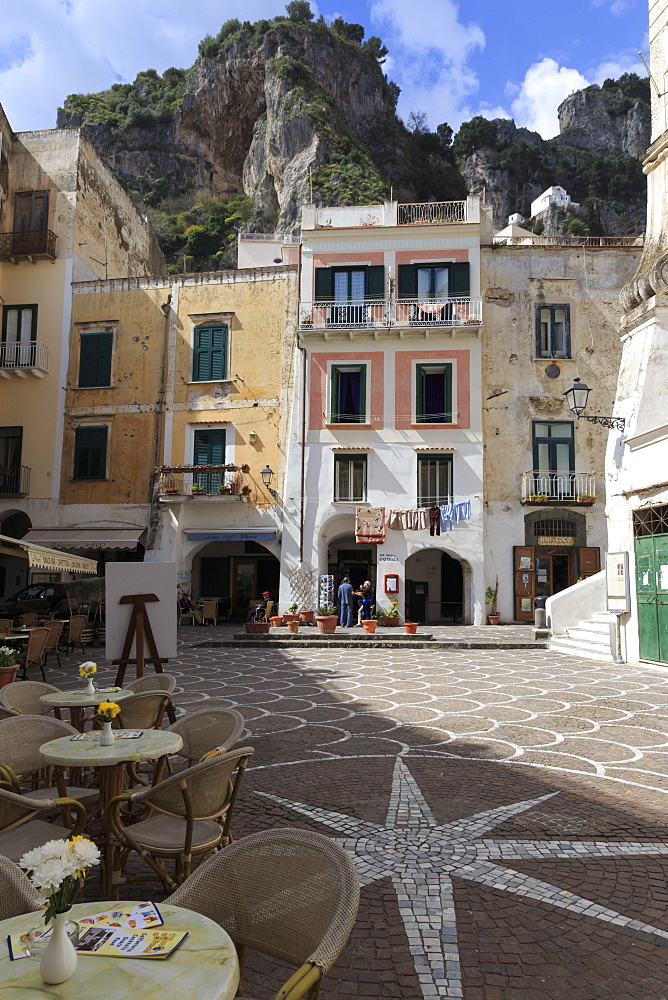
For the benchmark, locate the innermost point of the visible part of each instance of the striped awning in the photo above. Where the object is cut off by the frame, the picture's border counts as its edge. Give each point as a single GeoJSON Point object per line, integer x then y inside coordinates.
{"type": "Point", "coordinates": [48, 559]}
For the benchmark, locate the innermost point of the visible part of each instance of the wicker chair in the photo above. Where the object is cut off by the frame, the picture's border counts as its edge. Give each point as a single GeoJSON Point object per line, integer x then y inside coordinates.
{"type": "Point", "coordinates": [29, 618]}
{"type": "Point", "coordinates": [55, 632]}
{"type": "Point", "coordinates": [20, 740]}
{"type": "Point", "coordinates": [192, 815]}
{"type": "Point", "coordinates": [290, 894]}
{"type": "Point", "coordinates": [20, 831]}
{"type": "Point", "coordinates": [34, 651]}
{"type": "Point", "coordinates": [6, 624]}
{"type": "Point", "coordinates": [17, 893]}
{"type": "Point", "coordinates": [210, 612]}
{"type": "Point", "coordinates": [155, 682]}
{"type": "Point", "coordinates": [7, 713]}
{"type": "Point", "coordinates": [76, 626]}
{"type": "Point", "coordinates": [23, 697]}
{"type": "Point", "coordinates": [144, 710]}
{"type": "Point", "coordinates": [211, 731]}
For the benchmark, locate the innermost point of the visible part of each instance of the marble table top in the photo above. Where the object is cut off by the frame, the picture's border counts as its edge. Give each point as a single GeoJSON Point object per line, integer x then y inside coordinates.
{"type": "Point", "coordinates": [204, 966]}
{"type": "Point", "coordinates": [70, 752]}
{"type": "Point", "coordinates": [77, 698]}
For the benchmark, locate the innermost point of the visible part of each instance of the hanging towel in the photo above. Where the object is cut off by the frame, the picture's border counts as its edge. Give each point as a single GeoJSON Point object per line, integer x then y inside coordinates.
{"type": "Point", "coordinates": [434, 521]}
{"type": "Point", "coordinates": [447, 521]}
{"type": "Point", "coordinates": [370, 525]}
{"type": "Point", "coordinates": [397, 520]}
{"type": "Point", "coordinates": [462, 510]}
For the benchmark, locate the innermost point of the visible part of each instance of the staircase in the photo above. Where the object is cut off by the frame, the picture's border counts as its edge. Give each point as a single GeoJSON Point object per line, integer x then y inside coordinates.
{"type": "Point", "coordinates": [592, 639]}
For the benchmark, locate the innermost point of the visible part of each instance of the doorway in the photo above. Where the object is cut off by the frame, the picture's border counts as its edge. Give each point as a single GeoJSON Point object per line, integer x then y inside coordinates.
{"type": "Point", "coordinates": [434, 588]}
{"type": "Point", "coordinates": [651, 552]}
{"type": "Point", "coordinates": [544, 571]}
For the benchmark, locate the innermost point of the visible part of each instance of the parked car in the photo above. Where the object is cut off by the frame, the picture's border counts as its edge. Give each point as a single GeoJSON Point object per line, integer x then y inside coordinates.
{"type": "Point", "coordinates": [44, 598]}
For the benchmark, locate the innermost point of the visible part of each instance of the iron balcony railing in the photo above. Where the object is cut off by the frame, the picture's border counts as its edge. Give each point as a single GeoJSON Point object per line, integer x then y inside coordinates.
{"type": "Point", "coordinates": [287, 238]}
{"type": "Point", "coordinates": [15, 482]}
{"type": "Point", "coordinates": [432, 212]}
{"type": "Point", "coordinates": [539, 486]}
{"type": "Point", "coordinates": [590, 242]}
{"type": "Point", "coordinates": [329, 314]}
{"type": "Point", "coordinates": [39, 243]}
{"type": "Point", "coordinates": [205, 480]}
{"type": "Point", "coordinates": [24, 354]}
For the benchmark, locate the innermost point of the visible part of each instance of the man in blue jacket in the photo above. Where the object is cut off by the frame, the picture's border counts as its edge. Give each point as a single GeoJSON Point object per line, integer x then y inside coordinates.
{"type": "Point", "coordinates": [345, 595]}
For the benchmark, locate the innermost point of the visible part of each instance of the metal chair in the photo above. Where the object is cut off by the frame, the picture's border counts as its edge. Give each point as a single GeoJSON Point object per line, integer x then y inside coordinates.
{"type": "Point", "coordinates": [20, 740]}
{"type": "Point", "coordinates": [290, 894]}
{"type": "Point", "coordinates": [211, 731]}
{"type": "Point", "coordinates": [20, 831]}
{"type": "Point", "coordinates": [191, 815]}
{"type": "Point", "coordinates": [34, 653]}
{"type": "Point", "coordinates": [23, 697]}
{"type": "Point", "coordinates": [210, 612]}
{"type": "Point", "coordinates": [55, 632]}
{"type": "Point", "coordinates": [17, 893]}
{"type": "Point", "coordinates": [76, 626]}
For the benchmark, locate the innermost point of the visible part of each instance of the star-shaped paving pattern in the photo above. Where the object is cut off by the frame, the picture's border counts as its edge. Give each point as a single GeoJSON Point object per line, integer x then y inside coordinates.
{"type": "Point", "coordinates": [421, 857]}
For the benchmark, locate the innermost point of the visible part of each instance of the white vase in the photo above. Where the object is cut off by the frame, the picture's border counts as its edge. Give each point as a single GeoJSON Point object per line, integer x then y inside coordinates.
{"type": "Point", "coordinates": [90, 687]}
{"type": "Point", "coordinates": [59, 959]}
{"type": "Point", "coordinates": [107, 737]}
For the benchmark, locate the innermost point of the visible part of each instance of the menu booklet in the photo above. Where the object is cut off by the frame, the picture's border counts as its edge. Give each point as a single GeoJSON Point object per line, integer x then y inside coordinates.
{"type": "Point", "coordinates": [118, 943]}
{"type": "Point", "coordinates": [119, 734]}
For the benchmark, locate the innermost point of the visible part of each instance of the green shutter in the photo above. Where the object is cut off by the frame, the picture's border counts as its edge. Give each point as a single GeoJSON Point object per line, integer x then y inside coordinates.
{"type": "Point", "coordinates": [324, 276]}
{"type": "Point", "coordinates": [209, 447]}
{"type": "Point", "coordinates": [460, 280]}
{"type": "Point", "coordinates": [407, 281]}
{"type": "Point", "coordinates": [375, 282]}
{"type": "Point", "coordinates": [448, 394]}
{"type": "Point", "coordinates": [421, 371]}
{"type": "Point", "coordinates": [90, 453]}
{"type": "Point", "coordinates": [95, 360]}
{"type": "Point", "coordinates": [210, 353]}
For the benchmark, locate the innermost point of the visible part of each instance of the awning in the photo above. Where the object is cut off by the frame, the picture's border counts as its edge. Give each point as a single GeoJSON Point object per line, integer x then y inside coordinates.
{"type": "Point", "coordinates": [86, 538]}
{"type": "Point", "coordinates": [49, 559]}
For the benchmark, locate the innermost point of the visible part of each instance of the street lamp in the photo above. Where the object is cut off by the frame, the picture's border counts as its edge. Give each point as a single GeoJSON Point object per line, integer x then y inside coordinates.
{"type": "Point", "coordinates": [267, 475]}
{"type": "Point", "coordinates": [577, 395]}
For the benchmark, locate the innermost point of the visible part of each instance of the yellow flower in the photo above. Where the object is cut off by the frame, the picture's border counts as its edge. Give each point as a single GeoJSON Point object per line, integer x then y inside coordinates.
{"type": "Point", "coordinates": [108, 710]}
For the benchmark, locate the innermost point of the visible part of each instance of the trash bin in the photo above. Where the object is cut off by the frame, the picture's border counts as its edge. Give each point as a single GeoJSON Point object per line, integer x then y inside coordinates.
{"type": "Point", "coordinates": [539, 614]}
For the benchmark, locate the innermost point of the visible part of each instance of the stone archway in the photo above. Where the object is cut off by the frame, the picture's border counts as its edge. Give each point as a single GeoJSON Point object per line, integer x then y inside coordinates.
{"type": "Point", "coordinates": [438, 586]}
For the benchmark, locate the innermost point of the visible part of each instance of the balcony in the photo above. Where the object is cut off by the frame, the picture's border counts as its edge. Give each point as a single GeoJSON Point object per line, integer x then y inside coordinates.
{"type": "Point", "coordinates": [32, 246]}
{"type": "Point", "coordinates": [432, 213]}
{"type": "Point", "coordinates": [391, 213]}
{"type": "Point", "coordinates": [21, 358]}
{"type": "Point", "coordinates": [15, 482]}
{"type": "Point", "coordinates": [558, 488]}
{"type": "Point", "coordinates": [218, 482]}
{"type": "Point", "coordinates": [386, 314]}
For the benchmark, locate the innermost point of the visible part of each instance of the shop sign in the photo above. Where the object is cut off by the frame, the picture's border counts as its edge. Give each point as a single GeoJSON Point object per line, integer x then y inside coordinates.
{"type": "Point", "coordinates": [387, 557]}
{"type": "Point", "coordinates": [555, 540]}
{"type": "Point", "coordinates": [231, 536]}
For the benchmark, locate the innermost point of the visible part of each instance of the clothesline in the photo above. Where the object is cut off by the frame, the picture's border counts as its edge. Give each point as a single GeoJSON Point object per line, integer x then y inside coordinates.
{"type": "Point", "coordinates": [371, 522]}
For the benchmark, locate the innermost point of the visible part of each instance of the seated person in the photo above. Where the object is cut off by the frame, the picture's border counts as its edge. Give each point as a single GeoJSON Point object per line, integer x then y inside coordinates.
{"type": "Point", "coordinates": [257, 614]}
{"type": "Point", "coordinates": [188, 608]}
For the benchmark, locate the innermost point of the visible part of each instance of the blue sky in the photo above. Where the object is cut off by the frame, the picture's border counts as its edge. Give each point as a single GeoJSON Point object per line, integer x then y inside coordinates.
{"type": "Point", "coordinates": [500, 58]}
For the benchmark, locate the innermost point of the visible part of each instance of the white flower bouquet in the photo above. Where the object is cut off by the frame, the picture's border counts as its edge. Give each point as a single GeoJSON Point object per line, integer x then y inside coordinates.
{"type": "Point", "coordinates": [7, 656]}
{"type": "Point", "coordinates": [88, 669]}
{"type": "Point", "coordinates": [57, 870]}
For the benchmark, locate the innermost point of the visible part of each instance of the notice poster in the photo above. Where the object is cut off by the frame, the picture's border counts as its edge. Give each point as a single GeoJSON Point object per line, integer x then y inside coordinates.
{"type": "Point", "coordinates": [617, 581]}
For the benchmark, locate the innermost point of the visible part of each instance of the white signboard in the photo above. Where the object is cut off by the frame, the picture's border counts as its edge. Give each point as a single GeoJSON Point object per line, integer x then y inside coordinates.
{"type": "Point", "coordinates": [387, 557]}
{"type": "Point", "coordinates": [617, 581]}
{"type": "Point", "coordinates": [123, 578]}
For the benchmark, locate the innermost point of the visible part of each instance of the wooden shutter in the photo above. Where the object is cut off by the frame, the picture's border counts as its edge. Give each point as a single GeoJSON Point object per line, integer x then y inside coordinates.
{"type": "Point", "coordinates": [218, 352]}
{"type": "Point", "coordinates": [589, 561]}
{"type": "Point", "coordinates": [407, 281]}
{"type": "Point", "coordinates": [375, 282]}
{"type": "Point", "coordinates": [448, 394]}
{"type": "Point", "coordinates": [524, 577]}
{"type": "Point", "coordinates": [210, 353]}
{"type": "Point", "coordinates": [95, 360]}
{"type": "Point", "coordinates": [90, 453]}
{"type": "Point", "coordinates": [209, 447]}
{"type": "Point", "coordinates": [460, 281]}
{"type": "Point", "coordinates": [323, 283]}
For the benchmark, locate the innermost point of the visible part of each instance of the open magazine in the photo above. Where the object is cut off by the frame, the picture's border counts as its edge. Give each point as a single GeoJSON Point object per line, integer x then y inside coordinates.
{"type": "Point", "coordinates": [118, 943]}
{"type": "Point", "coordinates": [118, 734]}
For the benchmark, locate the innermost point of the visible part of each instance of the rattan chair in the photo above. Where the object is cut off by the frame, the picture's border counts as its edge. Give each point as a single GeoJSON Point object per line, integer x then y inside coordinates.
{"type": "Point", "coordinates": [192, 815]}
{"type": "Point", "coordinates": [144, 710]}
{"type": "Point", "coordinates": [23, 697]}
{"type": "Point", "coordinates": [290, 894]}
{"type": "Point", "coordinates": [155, 682]}
{"type": "Point", "coordinates": [20, 740]}
{"type": "Point", "coordinates": [7, 713]}
{"type": "Point", "coordinates": [213, 730]}
{"type": "Point", "coordinates": [77, 624]}
{"type": "Point", "coordinates": [17, 893]}
{"type": "Point", "coordinates": [6, 624]}
{"type": "Point", "coordinates": [55, 632]}
{"type": "Point", "coordinates": [20, 831]}
{"type": "Point", "coordinates": [34, 653]}
{"type": "Point", "coordinates": [29, 618]}
{"type": "Point", "coordinates": [210, 612]}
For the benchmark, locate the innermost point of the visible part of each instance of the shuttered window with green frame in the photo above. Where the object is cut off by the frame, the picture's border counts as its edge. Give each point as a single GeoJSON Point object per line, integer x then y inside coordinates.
{"type": "Point", "coordinates": [210, 353]}
{"type": "Point", "coordinates": [459, 279]}
{"type": "Point", "coordinates": [433, 386]}
{"type": "Point", "coordinates": [90, 452]}
{"type": "Point", "coordinates": [95, 359]}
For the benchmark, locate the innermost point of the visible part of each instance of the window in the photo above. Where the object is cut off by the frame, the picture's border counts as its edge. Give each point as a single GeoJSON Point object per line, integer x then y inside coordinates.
{"type": "Point", "coordinates": [90, 452]}
{"type": "Point", "coordinates": [553, 332]}
{"type": "Point", "coordinates": [553, 458]}
{"type": "Point", "coordinates": [346, 284]}
{"type": "Point", "coordinates": [434, 281]}
{"type": "Point", "coordinates": [95, 359]}
{"type": "Point", "coordinates": [10, 459]}
{"type": "Point", "coordinates": [209, 449]}
{"type": "Point", "coordinates": [433, 387]}
{"type": "Point", "coordinates": [434, 474]}
{"type": "Point", "coordinates": [210, 353]}
{"type": "Point", "coordinates": [19, 332]}
{"type": "Point", "coordinates": [31, 211]}
{"type": "Point", "coordinates": [348, 396]}
{"type": "Point", "coordinates": [349, 478]}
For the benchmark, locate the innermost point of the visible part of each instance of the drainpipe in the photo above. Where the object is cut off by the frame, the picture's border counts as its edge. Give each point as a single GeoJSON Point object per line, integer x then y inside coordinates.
{"type": "Point", "coordinates": [160, 430]}
{"type": "Point", "coordinates": [302, 498]}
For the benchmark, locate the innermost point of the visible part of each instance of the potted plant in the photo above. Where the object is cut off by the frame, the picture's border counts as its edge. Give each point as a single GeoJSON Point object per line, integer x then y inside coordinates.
{"type": "Point", "coordinates": [307, 321]}
{"type": "Point", "coordinates": [196, 490]}
{"type": "Point", "coordinates": [538, 498]}
{"type": "Point", "coordinates": [245, 468]}
{"type": "Point", "coordinates": [292, 615]}
{"type": "Point", "coordinates": [293, 626]}
{"type": "Point", "coordinates": [369, 625]}
{"type": "Point", "coordinates": [245, 491]}
{"type": "Point", "coordinates": [8, 666]}
{"type": "Point", "coordinates": [260, 628]}
{"type": "Point", "coordinates": [491, 595]}
{"type": "Point", "coordinates": [276, 621]}
{"type": "Point", "coordinates": [410, 628]}
{"type": "Point", "coordinates": [306, 616]}
{"type": "Point", "coordinates": [390, 619]}
{"type": "Point", "coordinates": [224, 490]}
{"type": "Point", "coordinates": [326, 618]}
{"type": "Point", "coordinates": [586, 498]}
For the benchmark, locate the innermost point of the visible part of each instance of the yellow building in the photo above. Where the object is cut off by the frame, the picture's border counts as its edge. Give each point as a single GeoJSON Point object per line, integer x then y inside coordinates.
{"type": "Point", "coordinates": [63, 218]}
{"type": "Point", "coordinates": [177, 395]}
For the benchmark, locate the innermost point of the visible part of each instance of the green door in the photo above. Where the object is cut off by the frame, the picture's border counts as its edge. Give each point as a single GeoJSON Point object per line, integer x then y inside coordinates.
{"type": "Point", "coordinates": [651, 553]}
{"type": "Point", "coordinates": [209, 449]}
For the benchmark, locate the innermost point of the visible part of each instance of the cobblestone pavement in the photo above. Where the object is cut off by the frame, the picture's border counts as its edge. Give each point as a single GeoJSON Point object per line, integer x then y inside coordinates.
{"type": "Point", "coordinates": [507, 809]}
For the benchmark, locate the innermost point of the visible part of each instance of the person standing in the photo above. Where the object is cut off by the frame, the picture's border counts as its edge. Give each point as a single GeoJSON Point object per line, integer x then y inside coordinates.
{"type": "Point", "coordinates": [366, 592]}
{"type": "Point", "coordinates": [345, 596]}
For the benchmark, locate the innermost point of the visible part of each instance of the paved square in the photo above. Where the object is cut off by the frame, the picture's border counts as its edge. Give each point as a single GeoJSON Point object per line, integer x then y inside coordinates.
{"type": "Point", "coordinates": [508, 810]}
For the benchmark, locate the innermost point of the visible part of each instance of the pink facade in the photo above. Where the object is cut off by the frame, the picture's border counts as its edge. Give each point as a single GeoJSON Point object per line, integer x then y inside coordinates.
{"type": "Point", "coordinates": [404, 394]}
{"type": "Point", "coordinates": [319, 387]}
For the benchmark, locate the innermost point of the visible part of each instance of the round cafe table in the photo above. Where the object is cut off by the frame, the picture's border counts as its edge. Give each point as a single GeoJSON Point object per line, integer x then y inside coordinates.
{"type": "Point", "coordinates": [68, 751]}
{"type": "Point", "coordinates": [77, 700]}
{"type": "Point", "coordinates": [204, 966]}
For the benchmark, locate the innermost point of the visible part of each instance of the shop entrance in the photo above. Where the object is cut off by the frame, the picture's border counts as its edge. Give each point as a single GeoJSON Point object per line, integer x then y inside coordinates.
{"type": "Point", "coordinates": [434, 588]}
{"type": "Point", "coordinates": [235, 573]}
{"type": "Point", "coordinates": [650, 527]}
{"type": "Point", "coordinates": [541, 571]}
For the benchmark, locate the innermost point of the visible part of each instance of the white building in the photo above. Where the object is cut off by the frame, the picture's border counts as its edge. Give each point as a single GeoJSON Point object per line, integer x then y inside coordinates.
{"type": "Point", "coordinates": [553, 197]}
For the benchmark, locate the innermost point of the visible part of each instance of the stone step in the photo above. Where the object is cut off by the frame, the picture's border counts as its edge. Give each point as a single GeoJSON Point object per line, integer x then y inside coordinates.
{"type": "Point", "coordinates": [581, 647]}
{"type": "Point", "coordinates": [590, 626]}
{"type": "Point", "coordinates": [350, 635]}
{"type": "Point", "coordinates": [372, 641]}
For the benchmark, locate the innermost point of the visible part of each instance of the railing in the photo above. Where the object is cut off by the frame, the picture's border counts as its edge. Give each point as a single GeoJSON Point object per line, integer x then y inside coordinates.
{"type": "Point", "coordinates": [286, 238]}
{"type": "Point", "coordinates": [432, 212]}
{"type": "Point", "coordinates": [15, 482]}
{"type": "Point", "coordinates": [329, 314]}
{"type": "Point", "coordinates": [570, 241]}
{"type": "Point", "coordinates": [558, 487]}
{"type": "Point", "coordinates": [203, 480]}
{"type": "Point", "coordinates": [21, 354]}
{"type": "Point", "coordinates": [39, 243]}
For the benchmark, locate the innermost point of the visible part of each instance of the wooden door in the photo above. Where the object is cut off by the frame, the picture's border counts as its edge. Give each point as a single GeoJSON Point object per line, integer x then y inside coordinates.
{"type": "Point", "coordinates": [524, 576]}
{"type": "Point", "coordinates": [589, 561]}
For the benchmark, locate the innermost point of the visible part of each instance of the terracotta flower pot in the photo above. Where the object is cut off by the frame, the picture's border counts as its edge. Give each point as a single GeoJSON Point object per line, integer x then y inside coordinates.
{"type": "Point", "coordinates": [326, 623]}
{"type": "Point", "coordinates": [293, 626]}
{"type": "Point", "coordinates": [306, 617]}
{"type": "Point", "coordinates": [7, 674]}
{"type": "Point", "coordinates": [369, 625]}
{"type": "Point", "coordinates": [493, 619]}
{"type": "Point", "coordinates": [276, 620]}
{"type": "Point", "coordinates": [257, 627]}
{"type": "Point", "coordinates": [289, 619]}
{"type": "Point", "coordinates": [388, 622]}
{"type": "Point", "coordinates": [410, 628]}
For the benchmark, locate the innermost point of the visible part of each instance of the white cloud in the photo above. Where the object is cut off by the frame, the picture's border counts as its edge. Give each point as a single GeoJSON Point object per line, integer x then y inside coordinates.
{"type": "Point", "coordinates": [614, 66]}
{"type": "Point", "coordinates": [431, 49]}
{"type": "Point", "coordinates": [545, 85]}
{"type": "Point", "coordinates": [51, 49]}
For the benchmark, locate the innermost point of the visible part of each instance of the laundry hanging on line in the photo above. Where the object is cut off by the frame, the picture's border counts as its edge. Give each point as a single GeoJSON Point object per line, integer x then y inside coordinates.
{"type": "Point", "coordinates": [437, 519]}
{"type": "Point", "coordinates": [370, 525]}
{"type": "Point", "coordinates": [451, 513]}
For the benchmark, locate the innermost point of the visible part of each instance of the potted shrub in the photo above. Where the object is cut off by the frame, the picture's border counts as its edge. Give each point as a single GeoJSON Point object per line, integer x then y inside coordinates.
{"type": "Point", "coordinates": [245, 468]}
{"type": "Point", "coordinates": [224, 490]}
{"type": "Point", "coordinates": [491, 595]}
{"type": "Point", "coordinates": [245, 491]}
{"type": "Point", "coordinates": [538, 498]}
{"type": "Point", "coordinates": [306, 616]}
{"type": "Point", "coordinates": [326, 618]}
{"type": "Point", "coordinates": [8, 666]}
{"type": "Point", "coordinates": [410, 628]}
{"type": "Point", "coordinates": [369, 625]}
{"type": "Point", "coordinates": [389, 619]}
{"type": "Point", "coordinates": [292, 615]}
{"type": "Point", "coordinates": [196, 490]}
{"type": "Point", "coordinates": [257, 627]}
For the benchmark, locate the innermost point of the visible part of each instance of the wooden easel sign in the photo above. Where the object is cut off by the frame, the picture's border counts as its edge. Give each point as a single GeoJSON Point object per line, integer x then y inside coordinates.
{"type": "Point", "coordinates": [139, 631]}
{"type": "Point", "coordinates": [141, 615]}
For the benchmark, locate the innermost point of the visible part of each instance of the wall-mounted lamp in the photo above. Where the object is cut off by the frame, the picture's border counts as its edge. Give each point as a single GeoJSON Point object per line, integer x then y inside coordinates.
{"type": "Point", "coordinates": [577, 395]}
{"type": "Point", "coordinates": [252, 437]}
{"type": "Point", "coordinates": [267, 475]}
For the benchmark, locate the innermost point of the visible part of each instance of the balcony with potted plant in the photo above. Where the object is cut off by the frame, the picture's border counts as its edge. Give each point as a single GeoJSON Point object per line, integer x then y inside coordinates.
{"type": "Point", "coordinates": [206, 482]}
{"type": "Point", "coordinates": [557, 488]}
